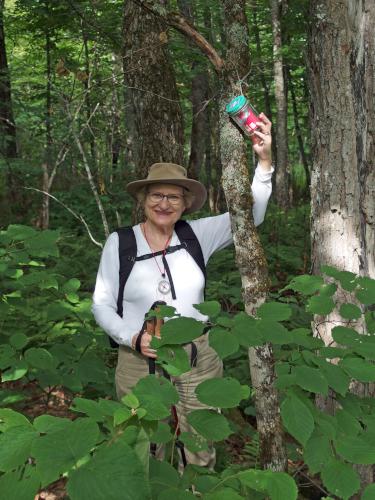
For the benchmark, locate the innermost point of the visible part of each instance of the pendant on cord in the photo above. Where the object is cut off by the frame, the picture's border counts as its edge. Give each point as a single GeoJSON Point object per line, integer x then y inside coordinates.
{"type": "Point", "coordinates": [164, 286]}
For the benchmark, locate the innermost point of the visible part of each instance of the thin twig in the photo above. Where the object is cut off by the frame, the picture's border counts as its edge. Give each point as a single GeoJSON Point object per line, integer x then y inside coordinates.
{"type": "Point", "coordinates": [75, 215]}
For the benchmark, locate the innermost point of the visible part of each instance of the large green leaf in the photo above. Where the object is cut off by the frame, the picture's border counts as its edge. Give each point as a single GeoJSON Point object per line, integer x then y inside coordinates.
{"type": "Point", "coordinates": [156, 395]}
{"type": "Point", "coordinates": [274, 332]}
{"type": "Point", "coordinates": [306, 284]}
{"type": "Point", "coordinates": [359, 369]}
{"type": "Point", "coordinates": [220, 392]}
{"type": "Point", "coordinates": [297, 418]}
{"type": "Point", "coordinates": [336, 377]}
{"type": "Point", "coordinates": [90, 408]}
{"type": "Point", "coordinates": [49, 423]}
{"type": "Point", "coordinates": [210, 424]}
{"type": "Point", "coordinates": [209, 308]}
{"type": "Point", "coordinates": [173, 358]}
{"type": "Point", "coordinates": [317, 453]}
{"type": "Point", "coordinates": [346, 336]}
{"type": "Point", "coordinates": [15, 372]}
{"type": "Point", "coordinates": [162, 476]}
{"type": "Point", "coordinates": [366, 295]}
{"type": "Point", "coordinates": [246, 331]}
{"type": "Point", "coordinates": [223, 342]}
{"type": "Point", "coordinates": [340, 479]}
{"type": "Point", "coordinates": [274, 311]}
{"type": "Point", "coordinates": [58, 451]}
{"type": "Point", "coordinates": [181, 330]}
{"type": "Point", "coordinates": [40, 358]}
{"type": "Point", "coordinates": [311, 379]}
{"type": "Point", "coordinates": [223, 494]}
{"type": "Point", "coordinates": [369, 493]}
{"type": "Point", "coordinates": [19, 486]}
{"type": "Point", "coordinates": [357, 449]}
{"type": "Point", "coordinates": [10, 418]}
{"type": "Point", "coordinates": [278, 485]}
{"type": "Point", "coordinates": [15, 446]}
{"type": "Point", "coordinates": [320, 304]}
{"type": "Point", "coordinates": [114, 472]}
{"type": "Point", "coordinates": [193, 442]}
{"type": "Point", "coordinates": [350, 311]}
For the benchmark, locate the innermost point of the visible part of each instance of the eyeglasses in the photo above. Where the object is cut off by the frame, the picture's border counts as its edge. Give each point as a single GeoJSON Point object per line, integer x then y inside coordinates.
{"type": "Point", "coordinates": [173, 199]}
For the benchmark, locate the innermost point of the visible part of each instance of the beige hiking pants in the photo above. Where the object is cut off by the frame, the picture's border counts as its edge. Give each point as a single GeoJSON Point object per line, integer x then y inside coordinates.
{"type": "Point", "coordinates": [132, 366]}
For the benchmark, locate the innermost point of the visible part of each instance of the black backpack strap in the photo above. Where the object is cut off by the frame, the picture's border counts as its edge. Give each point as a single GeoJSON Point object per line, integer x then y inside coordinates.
{"type": "Point", "coordinates": [188, 239]}
{"type": "Point", "coordinates": [127, 252]}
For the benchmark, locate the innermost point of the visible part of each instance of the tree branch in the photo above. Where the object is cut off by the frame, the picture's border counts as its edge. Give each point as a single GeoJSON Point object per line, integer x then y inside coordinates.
{"type": "Point", "coordinates": [183, 26]}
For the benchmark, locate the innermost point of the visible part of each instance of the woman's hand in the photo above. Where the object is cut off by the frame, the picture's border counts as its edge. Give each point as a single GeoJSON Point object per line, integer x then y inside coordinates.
{"type": "Point", "coordinates": [263, 147]}
{"type": "Point", "coordinates": [146, 350]}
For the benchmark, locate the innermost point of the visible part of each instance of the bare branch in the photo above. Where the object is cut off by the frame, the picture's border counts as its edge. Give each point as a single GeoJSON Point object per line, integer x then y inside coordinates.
{"type": "Point", "coordinates": [183, 26]}
{"type": "Point", "coordinates": [75, 215]}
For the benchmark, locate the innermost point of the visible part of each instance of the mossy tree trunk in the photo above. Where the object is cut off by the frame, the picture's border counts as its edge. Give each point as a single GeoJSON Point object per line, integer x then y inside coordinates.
{"type": "Point", "coordinates": [250, 256]}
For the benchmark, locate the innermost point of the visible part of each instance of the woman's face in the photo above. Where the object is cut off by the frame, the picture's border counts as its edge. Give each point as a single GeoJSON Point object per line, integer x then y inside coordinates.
{"type": "Point", "coordinates": [164, 212]}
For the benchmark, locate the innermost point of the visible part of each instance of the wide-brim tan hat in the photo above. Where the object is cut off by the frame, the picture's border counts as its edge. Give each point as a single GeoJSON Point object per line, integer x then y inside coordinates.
{"type": "Point", "coordinates": [171, 173]}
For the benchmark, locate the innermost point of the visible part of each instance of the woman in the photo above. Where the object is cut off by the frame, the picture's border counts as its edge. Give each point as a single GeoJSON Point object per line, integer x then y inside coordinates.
{"type": "Point", "coordinates": [166, 195]}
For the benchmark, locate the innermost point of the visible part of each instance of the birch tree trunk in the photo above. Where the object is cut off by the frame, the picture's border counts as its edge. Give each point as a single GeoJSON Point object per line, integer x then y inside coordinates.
{"type": "Point", "coordinates": [250, 257]}
{"type": "Point", "coordinates": [282, 171]}
{"type": "Point", "coordinates": [342, 82]}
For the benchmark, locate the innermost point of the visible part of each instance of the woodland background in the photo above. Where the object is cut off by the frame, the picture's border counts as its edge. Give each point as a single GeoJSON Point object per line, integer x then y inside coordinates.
{"type": "Point", "coordinates": [91, 94]}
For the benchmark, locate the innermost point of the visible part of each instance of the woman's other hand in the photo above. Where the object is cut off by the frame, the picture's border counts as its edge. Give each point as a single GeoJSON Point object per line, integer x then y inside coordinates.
{"type": "Point", "coordinates": [263, 147]}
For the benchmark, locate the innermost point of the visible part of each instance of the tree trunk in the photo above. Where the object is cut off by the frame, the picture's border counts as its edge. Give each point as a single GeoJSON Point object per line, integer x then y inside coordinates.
{"type": "Point", "coordinates": [250, 257]}
{"type": "Point", "coordinates": [282, 170]}
{"type": "Point", "coordinates": [342, 82]}
{"type": "Point", "coordinates": [297, 127]}
{"type": "Point", "coordinates": [149, 75]}
{"type": "Point", "coordinates": [8, 145]}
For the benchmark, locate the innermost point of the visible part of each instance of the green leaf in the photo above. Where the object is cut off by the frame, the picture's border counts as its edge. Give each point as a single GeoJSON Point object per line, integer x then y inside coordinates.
{"type": "Point", "coordinates": [220, 392]}
{"type": "Point", "coordinates": [223, 342]}
{"type": "Point", "coordinates": [19, 485]}
{"type": "Point", "coordinates": [246, 331]}
{"type": "Point", "coordinates": [176, 494]}
{"type": "Point", "coordinates": [58, 451]}
{"type": "Point", "coordinates": [274, 311]}
{"type": "Point", "coordinates": [211, 425]}
{"type": "Point", "coordinates": [306, 284]}
{"type": "Point", "coordinates": [347, 424]}
{"type": "Point", "coordinates": [49, 423]}
{"type": "Point", "coordinates": [18, 340]}
{"type": "Point", "coordinates": [320, 304]}
{"type": "Point", "coordinates": [43, 244]}
{"type": "Point", "coordinates": [173, 358]}
{"type": "Point", "coordinates": [162, 476]}
{"type": "Point", "coordinates": [317, 453]}
{"type": "Point", "coordinates": [340, 479]}
{"type": "Point", "coordinates": [15, 372]}
{"type": "Point", "coordinates": [278, 485]}
{"type": "Point", "coordinates": [89, 407]}
{"type": "Point", "coordinates": [162, 434]}
{"type": "Point", "coordinates": [335, 376]}
{"type": "Point", "coordinates": [359, 369]}
{"type": "Point", "coordinates": [311, 379]}
{"type": "Point", "coordinates": [222, 494]}
{"type": "Point", "coordinates": [130, 400]}
{"type": "Point", "coordinates": [297, 418]}
{"type": "Point", "coordinates": [193, 442]}
{"type": "Point", "coordinates": [71, 286]}
{"type": "Point", "coordinates": [350, 311]}
{"type": "Point", "coordinates": [15, 446]}
{"type": "Point", "coordinates": [40, 358]}
{"type": "Point", "coordinates": [181, 330]}
{"type": "Point", "coordinates": [369, 492]}
{"type": "Point", "coordinates": [367, 293]}
{"type": "Point", "coordinates": [121, 415]}
{"type": "Point", "coordinates": [114, 472]}
{"type": "Point", "coordinates": [274, 332]}
{"type": "Point", "coordinates": [346, 336]}
{"type": "Point", "coordinates": [209, 308]}
{"type": "Point", "coordinates": [10, 418]}
{"type": "Point", "coordinates": [357, 449]}
{"type": "Point", "coordinates": [156, 396]}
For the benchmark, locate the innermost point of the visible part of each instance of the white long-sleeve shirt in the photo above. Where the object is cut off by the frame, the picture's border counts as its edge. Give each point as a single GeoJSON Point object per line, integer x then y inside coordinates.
{"type": "Point", "coordinates": [141, 289]}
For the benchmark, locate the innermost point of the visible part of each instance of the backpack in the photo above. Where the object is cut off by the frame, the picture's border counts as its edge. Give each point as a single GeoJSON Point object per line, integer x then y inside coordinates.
{"type": "Point", "coordinates": [128, 256]}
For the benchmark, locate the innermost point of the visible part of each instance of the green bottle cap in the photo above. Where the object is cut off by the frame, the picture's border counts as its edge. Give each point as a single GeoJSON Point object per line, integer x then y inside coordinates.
{"type": "Point", "coordinates": [236, 104]}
